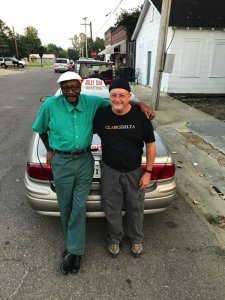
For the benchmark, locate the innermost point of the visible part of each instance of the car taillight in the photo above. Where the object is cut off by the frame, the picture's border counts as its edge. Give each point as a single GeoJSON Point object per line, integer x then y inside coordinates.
{"type": "Point", "coordinates": [39, 172]}
{"type": "Point", "coordinates": [161, 171]}
{"type": "Point", "coordinates": [108, 81]}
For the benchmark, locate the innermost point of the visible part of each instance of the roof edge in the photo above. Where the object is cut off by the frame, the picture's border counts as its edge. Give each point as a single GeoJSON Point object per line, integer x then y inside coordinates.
{"type": "Point", "coordinates": [140, 19]}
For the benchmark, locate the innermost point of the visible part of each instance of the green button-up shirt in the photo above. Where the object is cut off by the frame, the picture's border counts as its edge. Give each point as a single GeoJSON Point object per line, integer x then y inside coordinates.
{"type": "Point", "coordinates": [69, 127]}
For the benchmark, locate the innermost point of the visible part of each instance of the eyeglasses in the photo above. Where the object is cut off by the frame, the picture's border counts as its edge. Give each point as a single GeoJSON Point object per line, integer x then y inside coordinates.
{"type": "Point", "coordinates": [120, 96]}
{"type": "Point", "coordinates": [66, 89]}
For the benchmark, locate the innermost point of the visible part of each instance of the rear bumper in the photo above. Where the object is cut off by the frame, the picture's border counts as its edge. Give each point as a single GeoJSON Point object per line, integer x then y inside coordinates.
{"type": "Point", "coordinates": [61, 69]}
{"type": "Point", "coordinates": [43, 200]}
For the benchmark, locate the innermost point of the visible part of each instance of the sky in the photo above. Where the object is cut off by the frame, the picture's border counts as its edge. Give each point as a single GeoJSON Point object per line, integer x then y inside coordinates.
{"type": "Point", "coordinates": [57, 22]}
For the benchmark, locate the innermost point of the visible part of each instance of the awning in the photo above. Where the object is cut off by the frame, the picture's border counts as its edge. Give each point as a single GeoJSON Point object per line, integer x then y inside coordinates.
{"type": "Point", "coordinates": [111, 49]}
{"type": "Point", "coordinates": [102, 52]}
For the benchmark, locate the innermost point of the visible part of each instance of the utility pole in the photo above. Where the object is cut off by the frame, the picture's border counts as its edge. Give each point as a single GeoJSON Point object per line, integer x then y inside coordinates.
{"type": "Point", "coordinates": [87, 24]}
{"type": "Point", "coordinates": [14, 37]}
{"type": "Point", "coordinates": [91, 35]}
{"type": "Point", "coordinates": [90, 29]}
{"type": "Point", "coordinates": [160, 57]}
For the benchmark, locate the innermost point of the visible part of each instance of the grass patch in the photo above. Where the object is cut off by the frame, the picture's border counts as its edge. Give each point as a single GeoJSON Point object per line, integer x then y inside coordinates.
{"type": "Point", "coordinates": [214, 220]}
{"type": "Point", "coordinates": [36, 64]}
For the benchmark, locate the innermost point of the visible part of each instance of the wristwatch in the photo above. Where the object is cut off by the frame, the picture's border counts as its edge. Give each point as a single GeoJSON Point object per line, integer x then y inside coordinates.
{"type": "Point", "coordinates": [148, 171]}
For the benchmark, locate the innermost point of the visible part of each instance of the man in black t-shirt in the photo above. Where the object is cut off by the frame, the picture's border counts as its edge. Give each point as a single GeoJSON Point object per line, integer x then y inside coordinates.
{"type": "Point", "coordinates": [123, 130]}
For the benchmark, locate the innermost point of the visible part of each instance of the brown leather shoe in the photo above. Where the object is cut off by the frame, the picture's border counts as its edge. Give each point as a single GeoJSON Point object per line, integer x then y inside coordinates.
{"type": "Point", "coordinates": [114, 250]}
{"type": "Point", "coordinates": [137, 250]}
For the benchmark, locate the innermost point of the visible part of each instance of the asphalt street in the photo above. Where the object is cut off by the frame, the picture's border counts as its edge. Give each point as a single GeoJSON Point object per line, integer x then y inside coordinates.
{"type": "Point", "coordinates": [183, 258]}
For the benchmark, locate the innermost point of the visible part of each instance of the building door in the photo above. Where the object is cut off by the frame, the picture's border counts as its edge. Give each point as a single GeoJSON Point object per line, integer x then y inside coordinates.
{"type": "Point", "coordinates": [149, 67]}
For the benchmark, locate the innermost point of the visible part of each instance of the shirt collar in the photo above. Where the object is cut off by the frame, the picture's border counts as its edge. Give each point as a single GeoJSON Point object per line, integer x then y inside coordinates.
{"type": "Point", "coordinates": [70, 107]}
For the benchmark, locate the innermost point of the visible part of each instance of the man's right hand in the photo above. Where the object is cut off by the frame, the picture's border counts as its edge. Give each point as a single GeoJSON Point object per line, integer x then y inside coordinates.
{"type": "Point", "coordinates": [49, 156]}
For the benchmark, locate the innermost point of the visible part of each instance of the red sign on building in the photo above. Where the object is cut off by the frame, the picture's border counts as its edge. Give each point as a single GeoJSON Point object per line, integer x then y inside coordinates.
{"type": "Point", "coordinates": [94, 54]}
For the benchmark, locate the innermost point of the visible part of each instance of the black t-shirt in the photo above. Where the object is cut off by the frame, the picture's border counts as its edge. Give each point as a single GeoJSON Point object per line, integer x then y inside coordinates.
{"type": "Point", "coordinates": [123, 137]}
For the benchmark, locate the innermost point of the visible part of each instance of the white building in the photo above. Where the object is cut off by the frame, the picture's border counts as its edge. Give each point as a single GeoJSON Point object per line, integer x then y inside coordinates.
{"type": "Point", "coordinates": [196, 36]}
{"type": "Point", "coordinates": [46, 58]}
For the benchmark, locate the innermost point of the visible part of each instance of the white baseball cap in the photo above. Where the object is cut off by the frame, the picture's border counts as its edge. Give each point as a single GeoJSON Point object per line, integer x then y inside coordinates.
{"type": "Point", "coordinates": [69, 76]}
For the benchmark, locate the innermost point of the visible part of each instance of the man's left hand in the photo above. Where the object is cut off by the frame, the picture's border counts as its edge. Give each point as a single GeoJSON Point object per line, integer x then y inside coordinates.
{"type": "Point", "coordinates": [148, 111]}
{"type": "Point", "coordinates": [145, 180]}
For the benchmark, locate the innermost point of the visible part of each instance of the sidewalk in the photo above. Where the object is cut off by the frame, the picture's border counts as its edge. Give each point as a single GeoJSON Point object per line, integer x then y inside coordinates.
{"type": "Point", "coordinates": [9, 71]}
{"type": "Point", "coordinates": [197, 141]}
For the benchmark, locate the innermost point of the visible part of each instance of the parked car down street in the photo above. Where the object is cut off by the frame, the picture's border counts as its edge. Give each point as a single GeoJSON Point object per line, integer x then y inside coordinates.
{"type": "Point", "coordinates": [6, 62]}
{"type": "Point", "coordinates": [63, 65]}
{"type": "Point", "coordinates": [39, 182]}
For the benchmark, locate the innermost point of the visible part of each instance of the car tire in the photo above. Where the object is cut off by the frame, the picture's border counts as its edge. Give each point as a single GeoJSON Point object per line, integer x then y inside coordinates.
{"type": "Point", "coordinates": [21, 66]}
{"type": "Point", "coordinates": [5, 66]}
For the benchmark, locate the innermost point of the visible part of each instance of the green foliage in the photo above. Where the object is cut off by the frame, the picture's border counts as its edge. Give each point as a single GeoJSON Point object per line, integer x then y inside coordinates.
{"type": "Point", "coordinates": [6, 40]}
{"type": "Point", "coordinates": [212, 219]}
{"type": "Point", "coordinates": [128, 19]}
{"type": "Point", "coordinates": [29, 43]}
{"type": "Point", "coordinates": [32, 41]}
{"type": "Point", "coordinates": [73, 54]}
{"type": "Point", "coordinates": [98, 44]}
{"type": "Point", "coordinates": [62, 53]}
{"type": "Point", "coordinates": [38, 64]}
{"type": "Point", "coordinates": [52, 49]}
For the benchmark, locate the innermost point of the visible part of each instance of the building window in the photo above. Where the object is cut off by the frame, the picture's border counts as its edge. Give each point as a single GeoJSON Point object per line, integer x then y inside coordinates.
{"type": "Point", "coordinates": [217, 68]}
{"type": "Point", "coordinates": [191, 58]}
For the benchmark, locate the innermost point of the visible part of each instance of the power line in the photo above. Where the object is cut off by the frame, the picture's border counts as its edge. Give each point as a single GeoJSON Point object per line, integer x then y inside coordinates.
{"type": "Point", "coordinates": [110, 15]}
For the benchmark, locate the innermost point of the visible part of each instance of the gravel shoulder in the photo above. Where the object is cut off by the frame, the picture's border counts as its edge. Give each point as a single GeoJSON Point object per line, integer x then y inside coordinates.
{"type": "Point", "coordinates": [214, 106]}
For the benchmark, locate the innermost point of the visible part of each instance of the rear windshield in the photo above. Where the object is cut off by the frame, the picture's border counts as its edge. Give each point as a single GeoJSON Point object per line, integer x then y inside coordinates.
{"type": "Point", "coordinates": [88, 70]}
{"type": "Point", "coordinates": [61, 61]}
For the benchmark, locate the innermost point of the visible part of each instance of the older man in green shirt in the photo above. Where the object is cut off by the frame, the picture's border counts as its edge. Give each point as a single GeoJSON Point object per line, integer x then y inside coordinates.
{"type": "Point", "coordinates": [65, 125]}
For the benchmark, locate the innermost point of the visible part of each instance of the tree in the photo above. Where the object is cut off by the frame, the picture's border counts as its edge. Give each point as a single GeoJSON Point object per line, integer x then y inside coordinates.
{"type": "Point", "coordinates": [29, 43]}
{"type": "Point", "coordinates": [128, 19]}
{"type": "Point", "coordinates": [73, 54]}
{"type": "Point", "coordinates": [98, 44]}
{"type": "Point", "coordinates": [62, 53]}
{"type": "Point", "coordinates": [52, 49]}
{"type": "Point", "coordinates": [33, 43]}
{"type": "Point", "coordinates": [6, 40]}
{"type": "Point", "coordinates": [21, 44]}
{"type": "Point", "coordinates": [78, 43]}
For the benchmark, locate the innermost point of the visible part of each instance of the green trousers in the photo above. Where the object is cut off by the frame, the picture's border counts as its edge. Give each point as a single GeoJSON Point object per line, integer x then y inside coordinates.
{"type": "Point", "coordinates": [73, 176]}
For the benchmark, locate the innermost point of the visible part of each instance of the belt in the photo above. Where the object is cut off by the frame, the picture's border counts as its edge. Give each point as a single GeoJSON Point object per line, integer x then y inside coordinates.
{"type": "Point", "coordinates": [74, 152]}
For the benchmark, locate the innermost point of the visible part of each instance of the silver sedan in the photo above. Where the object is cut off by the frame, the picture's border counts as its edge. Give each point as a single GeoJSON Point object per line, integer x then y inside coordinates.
{"type": "Point", "coordinates": [39, 182]}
